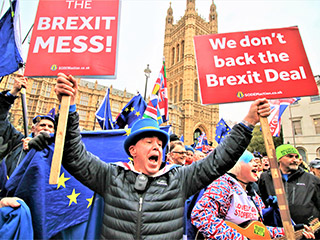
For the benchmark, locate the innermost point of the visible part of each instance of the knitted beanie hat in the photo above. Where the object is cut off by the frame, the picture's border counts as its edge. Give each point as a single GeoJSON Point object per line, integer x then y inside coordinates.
{"type": "Point", "coordinates": [285, 149]}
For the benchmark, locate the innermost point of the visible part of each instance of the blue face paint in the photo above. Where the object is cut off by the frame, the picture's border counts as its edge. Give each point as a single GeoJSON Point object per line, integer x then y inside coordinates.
{"type": "Point", "coordinates": [246, 157]}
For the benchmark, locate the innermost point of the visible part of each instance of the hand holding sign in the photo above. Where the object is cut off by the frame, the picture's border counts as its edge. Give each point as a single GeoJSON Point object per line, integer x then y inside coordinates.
{"type": "Point", "coordinates": [259, 108]}
{"type": "Point", "coordinates": [66, 86]}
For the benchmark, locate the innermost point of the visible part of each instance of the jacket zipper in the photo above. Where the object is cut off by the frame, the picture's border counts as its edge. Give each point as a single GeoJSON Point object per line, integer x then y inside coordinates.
{"type": "Point", "coordinates": [138, 235]}
{"type": "Point", "coordinates": [293, 194]}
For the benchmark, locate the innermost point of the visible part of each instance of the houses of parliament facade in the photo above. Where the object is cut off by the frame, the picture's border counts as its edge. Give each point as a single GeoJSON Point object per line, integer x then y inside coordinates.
{"type": "Point", "coordinates": [187, 116]}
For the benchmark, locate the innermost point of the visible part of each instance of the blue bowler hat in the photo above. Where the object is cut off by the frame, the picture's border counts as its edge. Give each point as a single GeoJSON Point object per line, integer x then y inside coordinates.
{"type": "Point", "coordinates": [49, 116]}
{"type": "Point", "coordinates": [146, 127]}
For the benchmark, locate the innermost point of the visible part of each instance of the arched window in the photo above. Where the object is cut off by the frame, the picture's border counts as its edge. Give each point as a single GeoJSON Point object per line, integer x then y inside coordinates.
{"type": "Point", "coordinates": [318, 152]}
{"type": "Point", "coordinates": [182, 49]}
{"type": "Point", "coordinates": [302, 153]}
{"type": "Point", "coordinates": [196, 134]}
{"type": "Point", "coordinates": [178, 52]}
{"type": "Point", "coordinates": [175, 93]}
{"type": "Point", "coordinates": [173, 55]}
{"type": "Point", "coordinates": [180, 91]}
{"type": "Point", "coordinates": [195, 91]}
{"type": "Point", "coordinates": [170, 92]}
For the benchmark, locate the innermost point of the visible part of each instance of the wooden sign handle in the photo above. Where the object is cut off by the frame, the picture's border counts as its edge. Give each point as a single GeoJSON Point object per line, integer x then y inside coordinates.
{"type": "Point", "coordinates": [277, 179]}
{"type": "Point", "coordinates": [59, 140]}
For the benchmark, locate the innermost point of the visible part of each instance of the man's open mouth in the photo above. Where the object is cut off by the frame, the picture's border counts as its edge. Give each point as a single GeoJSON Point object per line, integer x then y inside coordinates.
{"type": "Point", "coordinates": [153, 158]}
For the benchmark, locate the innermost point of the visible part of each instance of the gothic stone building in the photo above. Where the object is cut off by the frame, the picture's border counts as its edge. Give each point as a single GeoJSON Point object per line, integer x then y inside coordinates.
{"type": "Point", "coordinates": [187, 116]}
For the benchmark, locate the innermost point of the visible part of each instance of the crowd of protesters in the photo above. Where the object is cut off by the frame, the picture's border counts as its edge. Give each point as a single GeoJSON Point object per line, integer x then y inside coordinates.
{"type": "Point", "coordinates": [192, 194]}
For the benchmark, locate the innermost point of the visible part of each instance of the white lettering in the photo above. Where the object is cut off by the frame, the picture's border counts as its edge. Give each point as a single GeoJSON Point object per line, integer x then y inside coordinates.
{"type": "Point", "coordinates": [44, 23]}
{"type": "Point", "coordinates": [248, 78]}
{"type": "Point", "coordinates": [75, 23]}
{"type": "Point", "coordinates": [99, 46]}
{"type": "Point", "coordinates": [63, 41]}
{"type": "Point", "coordinates": [78, 42]}
{"type": "Point", "coordinates": [218, 43]}
{"type": "Point", "coordinates": [272, 75]}
{"type": "Point", "coordinates": [41, 43]}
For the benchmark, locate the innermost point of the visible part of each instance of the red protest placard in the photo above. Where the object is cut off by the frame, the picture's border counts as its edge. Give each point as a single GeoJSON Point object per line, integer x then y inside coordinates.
{"type": "Point", "coordinates": [244, 66]}
{"type": "Point", "coordinates": [75, 37]}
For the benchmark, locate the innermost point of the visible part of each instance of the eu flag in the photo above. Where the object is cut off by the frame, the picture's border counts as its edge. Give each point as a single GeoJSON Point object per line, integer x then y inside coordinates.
{"type": "Point", "coordinates": [104, 115]}
{"type": "Point", "coordinates": [222, 130]}
{"type": "Point", "coordinates": [10, 44]}
{"type": "Point", "coordinates": [132, 112]}
{"type": "Point", "coordinates": [54, 208]}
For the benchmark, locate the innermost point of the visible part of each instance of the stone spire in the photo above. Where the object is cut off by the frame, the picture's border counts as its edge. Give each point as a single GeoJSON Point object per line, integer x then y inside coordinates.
{"type": "Point", "coordinates": [169, 18]}
{"type": "Point", "coordinates": [191, 4]}
{"type": "Point", "coordinates": [213, 16]}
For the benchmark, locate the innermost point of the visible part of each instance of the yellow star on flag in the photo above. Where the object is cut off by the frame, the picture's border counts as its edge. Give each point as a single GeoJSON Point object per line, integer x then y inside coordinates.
{"type": "Point", "coordinates": [128, 131]}
{"type": "Point", "coordinates": [73, 197]}
{"type": "Point", "coordinates": [137, 114]}
{"type": "Point", "coordinates": [132, 109]}
{"type": "Point", "coordinates": [126, 110]}
{"type": "Point", "coordinates": [89, 201]}
{"type": "Point", "coordinates": [62, 181]}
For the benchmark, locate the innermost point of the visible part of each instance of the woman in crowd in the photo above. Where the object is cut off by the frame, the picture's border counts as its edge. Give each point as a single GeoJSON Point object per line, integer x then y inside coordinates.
{"type": "Point", "coordinates": [232, 201]}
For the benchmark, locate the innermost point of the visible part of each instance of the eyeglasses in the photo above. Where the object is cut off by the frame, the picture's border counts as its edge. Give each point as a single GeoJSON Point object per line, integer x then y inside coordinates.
{"type": "Point", "coordinates": [292, 156]}
{"type": "Point", "coordinates": [181, 153]}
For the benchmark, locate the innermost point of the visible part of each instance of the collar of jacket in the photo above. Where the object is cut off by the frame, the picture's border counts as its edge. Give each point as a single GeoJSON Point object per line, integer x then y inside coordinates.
{"type": "Point", "coordinates": [293, 174]}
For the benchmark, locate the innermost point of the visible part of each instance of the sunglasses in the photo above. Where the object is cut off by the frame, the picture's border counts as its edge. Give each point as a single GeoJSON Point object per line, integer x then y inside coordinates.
{"type": "Point", "coordinates": [292, 156]}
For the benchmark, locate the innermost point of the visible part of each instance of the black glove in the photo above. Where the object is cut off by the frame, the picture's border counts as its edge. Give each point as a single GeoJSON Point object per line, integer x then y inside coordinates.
{"type": "Point", "coordinates": [298, 226]}
{"type": "Point", "coordinates": [40, 142]}
{"type": "Point", "coordinates": [272, 201]}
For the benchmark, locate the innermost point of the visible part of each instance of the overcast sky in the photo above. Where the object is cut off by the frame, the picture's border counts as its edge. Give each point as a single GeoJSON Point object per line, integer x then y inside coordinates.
{"type": "Point", "coordinates": [142, 24]}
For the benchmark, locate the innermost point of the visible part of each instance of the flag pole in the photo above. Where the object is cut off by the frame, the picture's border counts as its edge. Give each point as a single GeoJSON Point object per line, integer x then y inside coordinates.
{"type": "Point", "coordinates": [23, 89]}
{"type": "Point", "coordinates": [27, 33]}
{"type": "Point", "coordinates": [11, 7]}
{"type": "Point", "coordinates": [24, 110]}
{"type": "Point", "coordinates": [23, 94]}
{"type": "Point", "coordinates": [277, 179]}
{"type": "Point", "coordinates": [59, 141]}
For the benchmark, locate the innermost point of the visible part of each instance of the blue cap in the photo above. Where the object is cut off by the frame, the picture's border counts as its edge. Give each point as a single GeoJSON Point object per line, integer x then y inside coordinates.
{"type": "Point", "coordinates": [49, 116]}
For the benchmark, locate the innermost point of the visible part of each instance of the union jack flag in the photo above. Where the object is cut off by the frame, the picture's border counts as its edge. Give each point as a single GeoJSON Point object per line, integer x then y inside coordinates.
{"type": "Point", "coordinates": [202, 142]}
{"type": "Point", "coordinates": [158, 105]}
{"type": "Point", "coordinates": [278, 106]}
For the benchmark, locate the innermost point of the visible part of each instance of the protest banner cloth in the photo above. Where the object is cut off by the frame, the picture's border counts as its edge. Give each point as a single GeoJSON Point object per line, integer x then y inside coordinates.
{"type": "Point", "coordinates": [244, 66]}
{"type": "Point", "coordinates": [74, 37]}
